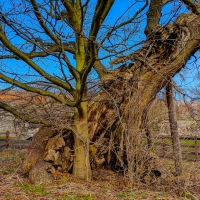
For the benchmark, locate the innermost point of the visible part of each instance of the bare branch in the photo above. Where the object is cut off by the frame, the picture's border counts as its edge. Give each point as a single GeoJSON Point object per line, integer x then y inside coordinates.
{"type": "Point", "coordinates": [153, 15]}
{"type": "Point", "coordinates": [101, 11]}
{"type": "Point", "coordinates": [192, 6]}
{"type": "Point", "coordinates": [35, 90]}
{"type": "Point", "coordinates": [43, 25]}
{"type": "Point", "coordinates": [114, 28]}
{"type": "Point", "coordinates": [26, 59]}
{"type": "Point", "coordinates": [29, 118]}
{"type": "Point", "coordinates": [48, 51]}
{"type": "Point", "coordinates": [100, 69]}
{"type": "Point", "coordinates": [71, 16]}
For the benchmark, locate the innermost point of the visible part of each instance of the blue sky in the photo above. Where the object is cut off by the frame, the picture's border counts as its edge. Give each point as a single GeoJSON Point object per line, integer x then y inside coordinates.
{"type": "Point", "coordinates": [118, 8]}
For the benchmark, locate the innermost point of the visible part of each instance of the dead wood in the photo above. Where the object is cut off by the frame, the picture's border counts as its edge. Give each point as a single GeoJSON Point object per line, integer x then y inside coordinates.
{"type": "Point", "coordinates": [37, 148]}
{"type": "Point", "coordinates": [116, 115]}
{"type": "Point", "coordinates": [41, 172]}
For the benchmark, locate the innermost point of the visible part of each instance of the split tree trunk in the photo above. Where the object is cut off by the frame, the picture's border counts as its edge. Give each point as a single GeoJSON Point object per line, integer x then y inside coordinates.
{"type": "Point", "coordinates": [174, 129]}
{"type": "Point", "coordinates": [116, 115]}
{"type": "Point", "coordinates": [129, 90]}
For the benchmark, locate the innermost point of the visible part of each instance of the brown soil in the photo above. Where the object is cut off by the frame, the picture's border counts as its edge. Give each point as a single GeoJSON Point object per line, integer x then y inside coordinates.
{"type": "Point", "coordinates": [106, 184]}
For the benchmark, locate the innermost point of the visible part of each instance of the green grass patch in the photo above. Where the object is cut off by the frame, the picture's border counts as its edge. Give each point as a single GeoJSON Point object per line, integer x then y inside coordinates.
{"type": "Point", "coordinates": [182, 141]}
{"type": "Point", "coordinates": [7, 196]}
{"type": "Point", "coordinates": [75, 197]}
{"type": "Point", "coordinates": [132, 196]}
{"type": "Point", "coordinates": [188, 196]}
{"type": "Point", "coordinates": [2, 137]}
{"type": "Point", "coordinates": [40, 189]}
{"type": "Point", "coordinates": [121, 195]}
{"type": "Point", "coordinates": [6, 171]}
{"type": "Point", "coordinates": [187, 147]}
{"type": "Point", "coordinates": [189, 142]}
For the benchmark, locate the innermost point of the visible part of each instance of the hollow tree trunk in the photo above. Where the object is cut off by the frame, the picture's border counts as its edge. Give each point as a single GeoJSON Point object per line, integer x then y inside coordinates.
{"type": "Point", "coordinates": [116, 115]}
{"type": "Point", "coordinates": [174, 129]}
{"type": "Point", "coordinates": [129, 90]}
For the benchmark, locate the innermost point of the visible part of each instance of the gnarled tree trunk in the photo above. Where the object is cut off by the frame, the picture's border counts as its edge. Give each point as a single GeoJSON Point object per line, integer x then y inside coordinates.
{"type": "Point", "coordinates": [129, 90]}
{"type": "Point", "coordinates": [116, 115]}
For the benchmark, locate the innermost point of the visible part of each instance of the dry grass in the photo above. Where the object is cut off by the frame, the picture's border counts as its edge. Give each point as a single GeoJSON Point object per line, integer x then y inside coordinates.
{"type": "Point", "coordinates": [106, 185]}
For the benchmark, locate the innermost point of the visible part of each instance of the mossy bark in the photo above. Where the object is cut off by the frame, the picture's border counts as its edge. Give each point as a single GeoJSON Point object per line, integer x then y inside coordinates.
{"type": "Point", "coordinates": [81, 165]}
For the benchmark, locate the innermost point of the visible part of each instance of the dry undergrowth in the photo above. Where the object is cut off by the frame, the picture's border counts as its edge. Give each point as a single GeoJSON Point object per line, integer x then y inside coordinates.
{"type": "Point", "coordinates": [106, 185]}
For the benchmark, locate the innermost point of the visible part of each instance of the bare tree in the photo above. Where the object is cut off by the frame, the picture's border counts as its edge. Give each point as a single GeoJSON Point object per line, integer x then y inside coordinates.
{"type": "Point", "coordinates": [31, 30]}
{"type": "Point", "coordinates": [174, 128]}
{"type": "Point", "coordinates": [43, 38]}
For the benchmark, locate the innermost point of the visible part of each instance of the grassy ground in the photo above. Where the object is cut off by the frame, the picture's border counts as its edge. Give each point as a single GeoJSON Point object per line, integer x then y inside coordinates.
{"type": "Point", "coordinates": [182, 141]}
{"type": "Point", "coordinates": [187, 147]}
{"type": "Point", "coordinates": [106, 185]}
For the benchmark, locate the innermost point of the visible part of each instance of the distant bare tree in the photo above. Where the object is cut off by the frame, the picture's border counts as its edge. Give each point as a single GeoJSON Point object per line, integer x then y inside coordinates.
{"type": "Point", "coordinates": [174, 128]}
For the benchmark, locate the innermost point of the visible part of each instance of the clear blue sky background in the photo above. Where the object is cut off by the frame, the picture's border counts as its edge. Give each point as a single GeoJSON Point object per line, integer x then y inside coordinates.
{"type": "Point", "coordinates": [118, 8]}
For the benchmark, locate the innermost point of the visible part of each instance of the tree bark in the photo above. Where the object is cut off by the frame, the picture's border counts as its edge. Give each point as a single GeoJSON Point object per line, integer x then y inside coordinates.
{"type": "Point", "coordinates": [174, 129]}
{"type": "Point", "coordinates": [81, 165]}
{"type": "Point", "coordinates": [129, 90]}
{"type": "Point", "coordinates": [116, 115]}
